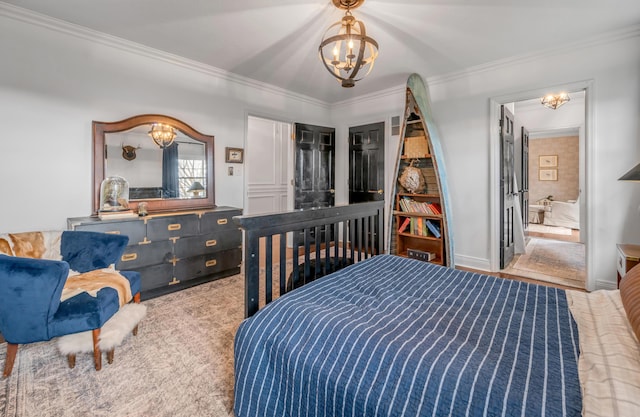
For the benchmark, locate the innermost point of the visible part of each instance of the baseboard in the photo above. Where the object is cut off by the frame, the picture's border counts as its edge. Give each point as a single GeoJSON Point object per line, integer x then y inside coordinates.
{"type": "Point", "coordinates": [472, 263]}
{"type": "Point", "coordinates": [606, 285]}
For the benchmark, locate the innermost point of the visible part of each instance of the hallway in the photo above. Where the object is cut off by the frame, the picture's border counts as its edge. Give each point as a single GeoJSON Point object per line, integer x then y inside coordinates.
{"type": "Point", "coordinates": [557, 258]}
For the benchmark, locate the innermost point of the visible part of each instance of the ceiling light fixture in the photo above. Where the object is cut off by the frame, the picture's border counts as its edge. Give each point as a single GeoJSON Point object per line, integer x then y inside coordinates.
{"type": "Point", "coordinates": [346, 50]}
{"type": "Point", "coordinates": [553, 101]}
{"type": "Point", "coordinates": [162, 134]}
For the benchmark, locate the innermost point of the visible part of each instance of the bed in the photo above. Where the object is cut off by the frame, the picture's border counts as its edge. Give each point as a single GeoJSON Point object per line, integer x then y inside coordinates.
{"type": "Point", "coordinates": [391, 336]}
{"type": "Point", "coordinates": [395, 336]}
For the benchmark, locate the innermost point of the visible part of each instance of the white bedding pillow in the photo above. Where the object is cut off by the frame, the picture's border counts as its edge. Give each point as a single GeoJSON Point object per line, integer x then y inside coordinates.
{"type": "Point", "coordinates": [609, 363]}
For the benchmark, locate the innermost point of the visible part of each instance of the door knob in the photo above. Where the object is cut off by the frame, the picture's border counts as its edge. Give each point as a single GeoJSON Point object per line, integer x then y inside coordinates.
{"type": "Point", "coordinates": [332, 191]}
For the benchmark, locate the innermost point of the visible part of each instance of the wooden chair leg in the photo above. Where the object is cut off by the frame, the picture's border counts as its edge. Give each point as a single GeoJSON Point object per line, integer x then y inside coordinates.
{"type": "Point", "coordinates": [110, 356]}
{"type": "Point", "coordinates": [12, 350]}
{"type": "Point", "coordinates": [136, 299]}
{"type": "Point", "coordinates": [72, 360]}
{"type": "Point", "coordinates": [97, 355]}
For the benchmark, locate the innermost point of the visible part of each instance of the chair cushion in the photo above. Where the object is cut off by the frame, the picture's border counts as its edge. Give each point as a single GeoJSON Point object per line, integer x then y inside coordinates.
{"type": "Point", "coordinates": [134, 280]}
{"type": "Point", "coordinates": [84, 312]}
{"type": "Point", "coordinates": [86, 251]}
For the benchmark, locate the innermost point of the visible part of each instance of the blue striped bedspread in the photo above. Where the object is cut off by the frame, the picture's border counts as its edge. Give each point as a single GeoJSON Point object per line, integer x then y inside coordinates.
{"type": "Point", "coordinates": [391, 336]}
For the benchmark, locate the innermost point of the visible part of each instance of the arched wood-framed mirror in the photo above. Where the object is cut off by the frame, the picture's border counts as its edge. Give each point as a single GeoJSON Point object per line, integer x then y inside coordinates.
{"type": "Point", "coordinates": [126, 149]}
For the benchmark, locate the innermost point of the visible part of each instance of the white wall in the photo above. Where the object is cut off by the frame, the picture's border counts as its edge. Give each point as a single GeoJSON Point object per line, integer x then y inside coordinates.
{"type": "Point", "coordinates": [55, 79]}
{"type": "Point", "coordinates": [461, 105]}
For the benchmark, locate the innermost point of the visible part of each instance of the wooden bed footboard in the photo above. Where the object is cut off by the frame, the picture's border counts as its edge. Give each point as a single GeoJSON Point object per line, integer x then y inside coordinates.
{"type": "Point", "coordinates": [335, 236]}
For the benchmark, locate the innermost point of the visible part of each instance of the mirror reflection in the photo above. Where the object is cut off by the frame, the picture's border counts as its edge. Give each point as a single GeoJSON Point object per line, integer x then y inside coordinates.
{"type": "Point", "coordinates": [171, 166]}
{"type": "Point", "coordinates": [167, 164]}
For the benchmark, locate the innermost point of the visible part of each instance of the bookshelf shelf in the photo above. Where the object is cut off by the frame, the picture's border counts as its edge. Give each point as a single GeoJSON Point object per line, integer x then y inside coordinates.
{"type": "Point", "coordinates": [411, 235]}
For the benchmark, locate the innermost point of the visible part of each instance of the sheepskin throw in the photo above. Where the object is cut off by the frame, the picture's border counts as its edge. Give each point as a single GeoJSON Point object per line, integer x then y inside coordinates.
{"type": "Point", "coordinates": [93, 281]}
{"type": "Point", "coordinates": [111, 335]}
{"type": "Point", "coordinates": [37, 245]}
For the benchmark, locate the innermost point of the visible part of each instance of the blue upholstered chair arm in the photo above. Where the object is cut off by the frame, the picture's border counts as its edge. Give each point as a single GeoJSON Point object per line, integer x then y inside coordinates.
{"type": "Point", "coordinates": [87, 251]}
{"type": "Point", "coordinates": [33, 286]}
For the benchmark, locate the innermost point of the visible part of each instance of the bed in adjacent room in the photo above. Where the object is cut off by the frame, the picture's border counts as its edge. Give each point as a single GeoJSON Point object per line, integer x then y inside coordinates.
{"type": "Point", "coordinates": [391, 336]}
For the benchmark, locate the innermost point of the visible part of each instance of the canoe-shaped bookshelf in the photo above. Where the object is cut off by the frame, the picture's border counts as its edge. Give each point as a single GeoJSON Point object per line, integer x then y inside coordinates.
{"type": "Point", "coordinates": [421, 210]}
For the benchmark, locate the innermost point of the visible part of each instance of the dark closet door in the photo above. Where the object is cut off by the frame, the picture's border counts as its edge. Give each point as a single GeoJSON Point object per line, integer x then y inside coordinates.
{"type": "Point", "coordinates": [315, 166]}
{"type": "Point", "coordinates": [507, 194]}
{"type": "Point", "coordinates": [366, 163]}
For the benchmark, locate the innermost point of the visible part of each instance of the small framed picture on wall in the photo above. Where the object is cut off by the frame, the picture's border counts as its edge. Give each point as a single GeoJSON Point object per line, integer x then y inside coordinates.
{"type": "Point", "coordinates": [548, 175]}
{"type": "Point", "coordinates": [234, 155]}
{"type": "Point", "coordinates": [548, 161]}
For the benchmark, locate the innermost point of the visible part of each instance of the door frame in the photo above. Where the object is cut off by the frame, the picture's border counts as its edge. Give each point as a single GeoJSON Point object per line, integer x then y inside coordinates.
{"type": "Point", "coordinates": [589, 174]}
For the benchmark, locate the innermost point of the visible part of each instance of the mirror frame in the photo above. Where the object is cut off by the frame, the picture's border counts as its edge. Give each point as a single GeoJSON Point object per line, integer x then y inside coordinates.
{"type": "Point", "coordinates": [153, 205]}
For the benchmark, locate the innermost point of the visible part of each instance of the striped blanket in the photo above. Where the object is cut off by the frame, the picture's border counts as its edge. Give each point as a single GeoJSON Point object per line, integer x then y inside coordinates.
{"type": "Point", "coordinates": [398, 337]}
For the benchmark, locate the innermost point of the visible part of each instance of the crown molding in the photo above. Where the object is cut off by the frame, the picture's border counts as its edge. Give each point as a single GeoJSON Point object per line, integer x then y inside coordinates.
{"type": "Point", "coordinates": [609, 37]}
{"type": "Point", "coordinates": [81, 32]}
{"type": "Point", "coordinates": [376, 95]}
{"type": "Point", "coordinates": [554, 133]}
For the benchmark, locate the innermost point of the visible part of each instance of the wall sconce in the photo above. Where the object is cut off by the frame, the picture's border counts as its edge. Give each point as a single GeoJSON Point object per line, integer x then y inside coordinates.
{"type": "Point", "coordinates": [632, 175]}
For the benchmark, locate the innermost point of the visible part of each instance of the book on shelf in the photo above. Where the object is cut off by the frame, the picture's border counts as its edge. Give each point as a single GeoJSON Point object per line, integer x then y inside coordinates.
{"type": "Point", "coordinates": [122, 214]}
{"type": "Point", "coordinates": [409, 205]}
{"type": "Point", "coordinates": [404, 225]}
{"type": "Point", "coordinates": [434, 228]}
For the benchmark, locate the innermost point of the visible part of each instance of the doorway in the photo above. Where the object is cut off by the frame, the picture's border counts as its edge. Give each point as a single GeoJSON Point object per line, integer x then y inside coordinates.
{"type": "Point", "coordinates": [269, 172]}
{"type": "Point", "coordinates": [551, 181]}
{"type": "Point", "coordinates": [366, 163]}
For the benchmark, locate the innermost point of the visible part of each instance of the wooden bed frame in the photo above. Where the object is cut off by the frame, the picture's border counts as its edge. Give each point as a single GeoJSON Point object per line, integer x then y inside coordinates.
{"type": "Point", "coordinates": [338, 236]}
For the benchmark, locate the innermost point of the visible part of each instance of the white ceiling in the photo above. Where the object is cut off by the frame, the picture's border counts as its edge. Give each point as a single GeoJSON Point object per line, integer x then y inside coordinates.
{"type": "Point", "coordinates": [276, 42]}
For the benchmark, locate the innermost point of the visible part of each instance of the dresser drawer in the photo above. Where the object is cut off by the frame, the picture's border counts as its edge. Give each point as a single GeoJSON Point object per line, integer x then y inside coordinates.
{"type": "Point", "coordinates": [211, 243]}
{"type": "Point", "coordinates": [156, 276]}
{"type": "Point", "coordinates": [218, 220]}
{"type": "Point", "coordinates": [136, 230]}
{"type": "Point", "coordinates": [161, 228]}
{"type": "Point", "coordinates": [136, 256]}
{"type": "Point", "coordinates": [204, 265]}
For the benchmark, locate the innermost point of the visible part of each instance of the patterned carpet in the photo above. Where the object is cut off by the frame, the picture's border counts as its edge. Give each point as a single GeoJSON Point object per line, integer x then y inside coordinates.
{"type": "Point", "coordinates": [180, 364]}
{"type": "Point", "coordinates": [553, 261]}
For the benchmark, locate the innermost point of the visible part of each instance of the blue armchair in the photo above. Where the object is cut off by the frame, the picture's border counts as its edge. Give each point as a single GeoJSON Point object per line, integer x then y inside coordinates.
{"type": "Point", "coordinates": [31, 288]}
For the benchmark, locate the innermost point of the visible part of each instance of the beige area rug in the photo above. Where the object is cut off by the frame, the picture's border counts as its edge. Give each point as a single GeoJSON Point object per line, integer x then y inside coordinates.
{"type": "Point", "coordinates": [552, 261]}
{"type": "Point", "coordinates": [180, 364]}
{"type": "Point", "coordinates": [556, 230]}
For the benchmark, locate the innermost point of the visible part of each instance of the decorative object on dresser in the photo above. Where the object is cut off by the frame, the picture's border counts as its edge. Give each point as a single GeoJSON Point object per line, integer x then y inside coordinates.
{"type": "Point", "coordinates": [421, 218]}
{"type": "Point", "coordinates": [175, 250]}
{"type": "Point", "coordinates": [165, 168]}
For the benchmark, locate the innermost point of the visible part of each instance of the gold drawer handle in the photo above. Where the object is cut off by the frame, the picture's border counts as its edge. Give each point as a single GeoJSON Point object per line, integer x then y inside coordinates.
{"type": "Point", "coordinates": [113, 232]}
{"type": "Point", "coordinates": [174, 281]}
{"type": "Point", "coordinates": [175, 226]}
{"type": "Point", "coordinates": [222, 221]}
{"type": "Point", "coordinates": [212, 262]}
{"type": "Point", "coordinates": [129, 257]}
{"type": "Point", "coordinates": [211, 242]}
